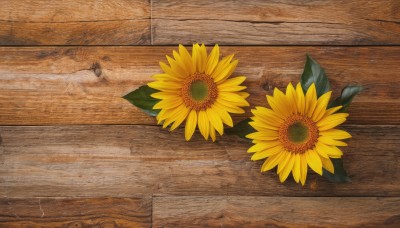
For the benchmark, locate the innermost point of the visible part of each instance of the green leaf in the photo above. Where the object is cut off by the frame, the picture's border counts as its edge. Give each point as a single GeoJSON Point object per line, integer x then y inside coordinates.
{"type": "Point", "coordinates": [141, 98]}
{"type": "Point", "coordinates": [340, 175]}
{"type": "Point", "coordinates": [241, 129]}
{"type": "Point", "coordinates": [347, 95]}
{"type": "Point", "coordinates": [314, 73]}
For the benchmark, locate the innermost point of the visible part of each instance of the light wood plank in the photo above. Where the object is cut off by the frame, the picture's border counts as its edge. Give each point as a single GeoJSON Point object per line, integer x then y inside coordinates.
{"type": "Point", "coordinates": [74, 22]}
{"type": "Point", "coordinates": [75, 212]}
{"type": "Point", "coordinates": [137, 161]}
{"type": "Point", "coordinates": [84, 85]}
{"type": "Point", "coordinates": [276, 22]}
{"type": "Point", "coordinates": [226, 211]}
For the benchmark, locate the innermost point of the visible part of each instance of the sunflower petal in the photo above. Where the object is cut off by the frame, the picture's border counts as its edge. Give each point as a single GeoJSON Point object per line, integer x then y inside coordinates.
{"type": "Point", "coordinates": [283, 175]}
{"type": "Point", "coordinates": [215, 120]}
{"type": "Point", "coordinates": [327, 164]}
{"type": "Point", "coordinates": [266, 153]}
{"type": "Point", "coordinates": [191, 123]}
{"type": "Point", "coordinates": [336, 134]}
{"type": "Point", "coordinates": [314, 161]}
{"type": "Point", "coordinates": [204, 124]}
{"type": "Point", "coordinates": [212, 60]}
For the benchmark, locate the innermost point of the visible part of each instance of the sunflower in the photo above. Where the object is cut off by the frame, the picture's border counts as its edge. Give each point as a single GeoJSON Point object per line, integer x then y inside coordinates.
{"type": "Point", "coordinates": [297, 132]}
{"type": "Point", "coordinates": [197, 88]}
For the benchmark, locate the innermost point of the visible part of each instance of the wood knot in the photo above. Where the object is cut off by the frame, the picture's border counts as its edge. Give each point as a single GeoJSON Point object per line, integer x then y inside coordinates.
{"type": "Point", "coordinates": [96, 68]}
{"type": "Point", "coordinates": [264, 83]}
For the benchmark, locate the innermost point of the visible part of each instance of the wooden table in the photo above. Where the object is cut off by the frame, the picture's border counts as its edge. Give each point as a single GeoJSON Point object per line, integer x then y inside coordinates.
{"type": "Point", "coordinates": [73, 153]}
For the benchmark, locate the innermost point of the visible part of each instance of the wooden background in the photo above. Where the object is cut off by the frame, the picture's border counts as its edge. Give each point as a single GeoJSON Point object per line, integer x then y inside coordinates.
{"type": "Point", "coordinates": [74, 154]}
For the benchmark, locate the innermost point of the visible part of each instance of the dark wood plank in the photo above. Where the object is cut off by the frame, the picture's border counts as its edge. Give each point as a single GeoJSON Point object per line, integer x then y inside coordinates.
{"type": "Point", "coordinates": [75, 212]}
{"type": "Point", "coordinates": [226, 211]}
{"type": "Point", "coordinates": [276, 22]}
{"type": "Point", "coordinates": [84, 85]}
{"type": "Point", "coordinates": [137, 161]}
{"type": "Point", "coordinates": [75, 22]}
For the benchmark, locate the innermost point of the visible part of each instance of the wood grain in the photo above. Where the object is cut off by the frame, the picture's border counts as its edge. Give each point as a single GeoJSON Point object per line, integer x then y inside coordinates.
{"type": "Point", "coordinates": [279, 22]}
{"type": "Point", "coordinates": [137, 161]}
{"type": "Point", "coordinates": [75, 22]}
{"type": "Point", "coordinates": [77, 212]}
{"type": "Point", "coordinates": [84, 85]}
{"type": "Point", "coordinates": [225, 211]}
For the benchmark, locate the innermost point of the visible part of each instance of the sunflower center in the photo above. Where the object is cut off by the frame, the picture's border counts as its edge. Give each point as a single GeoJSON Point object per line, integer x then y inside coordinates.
{"type": "Point", "coordinates": [298, 134]}
{"type": "Point", "coordinates": [199, 91]}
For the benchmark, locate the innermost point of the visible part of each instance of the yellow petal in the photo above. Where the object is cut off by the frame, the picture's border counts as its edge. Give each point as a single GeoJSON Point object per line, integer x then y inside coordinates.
{"type": "Point", "coordinates": [177, 117]}
{"type": "Point", "coordinates": [327, 164]}
{"type": "Point", "coordinates": [336, 134]}
{"type": "Point", "coordinates": [215, 120]}
{"type": "Point", "coordinates": [204, 124]}
{"type": "Point", "coordinates": [331, 151]}
{"type": "Point", "coordinates": [266, 153]}
{"type": "Point", "coordinates": [232, 82]}
{"type": "Point", "coordinates": [288, 168]}
{"type": "Point", "coordinates": [275, 105]}
{"type": "Point", "coordinates": [314, 161]}
{"type": "Point", "coordinates": [331, 121]}
{"type": "Point", "coordinates": [300, 99]}
{"type": "Point", "coordinates": [329, 141]}
{"type": "Point", "coordinates": [264, 146]}
{"type": "Point", "coordinates": [187, 59]}
{"type": "Point", "coordinates": [166, 77]}
{"type": "Point", "coordinates": [284, 161]}
{"type": "Point", "coordinates": [272, 161]}
{"type": "Point", "coordinates": [196, 58]}
{"type": "Point", "coordinates": [212, 133]}
{"type": "Point", "coordinates": [225, 117]}
{"type": "Point", "coordinates": [260, 125]}
{"type": "Point", "coordinates": [311, 100]}
{"type": "Point", "coordinates": [284, 105]}
{"type": "Point", "coordinates": [179, 70]}
{"type": "Point", "coordinates": [303, 168]}
{"type": "Point", "coordinates": [224, 74]}
{"type": "Point", "coordinates": [268, 116]}
{"type": "Point", "coordinates": [232, 88]}
{"type": "Point", "coordinates": [229, 107]}
{"type": "Point", "coordinates": [296, 168]}
{"type": "Point", "coordinates": [291, 97]}
{"type": "Point", "coordinates": [263, 135]}
{"type": "Point", "coordinates": [168, 103]}
{"type": "Point", "coordinates": [191, 123]}
{"type": "Point", "coordinates": [163, 85]}
{"type": "Point", "coordinates": [233, 98]}
{"type": "Point", "coordinates": [320, 109]}
{"type": "Point", "coordinates": [331, 111]}
{"type": "Point", "coordinates": [180, 117]}
{"type": "Point", "coordinates": [212, 60]}
{"type": "Point", "coordinates": [165, 95]}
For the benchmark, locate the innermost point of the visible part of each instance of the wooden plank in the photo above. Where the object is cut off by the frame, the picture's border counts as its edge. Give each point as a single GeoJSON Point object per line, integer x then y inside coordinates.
{"type": "Point", "coordinates": [225, 211]}
{"type": "Point", "coordinates": [278, 22]}
{"type": "Point", "coordinates": [137, 161]}
{"type": "Point", "coordinates": [75, 212]}
{"type": "Point", "coordinates": [74, 22]}
{"type": "Point", "coordinates": [84, 85]}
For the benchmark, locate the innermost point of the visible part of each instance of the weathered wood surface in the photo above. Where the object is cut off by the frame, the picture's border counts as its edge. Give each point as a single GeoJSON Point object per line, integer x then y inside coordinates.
{"type": "Point", "coordinates": [84, 85]}
{"type": "Point", "coordinates": [77, 212]}
{"type": "Point", "coordinates": [276, 22]}
{"type": "Point", "coordinates": [74, 22]}
{"type": "Point", "coordinates": [225, 211]}
{"type": "Point", "coordinates": [137, 161]}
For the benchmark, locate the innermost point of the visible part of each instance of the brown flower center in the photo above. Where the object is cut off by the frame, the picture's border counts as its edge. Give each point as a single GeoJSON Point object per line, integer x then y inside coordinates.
{"type": "Point", "coordinates": [199, 91]}
{"type": "Point", "coordinates": [298, 134]}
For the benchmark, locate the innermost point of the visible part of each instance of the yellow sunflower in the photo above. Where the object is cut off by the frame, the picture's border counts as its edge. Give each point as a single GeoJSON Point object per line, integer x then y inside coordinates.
{"type": "Point", "coordinates": [197, 88]}
{"type": "Point", "coordinates": [297, 132]}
